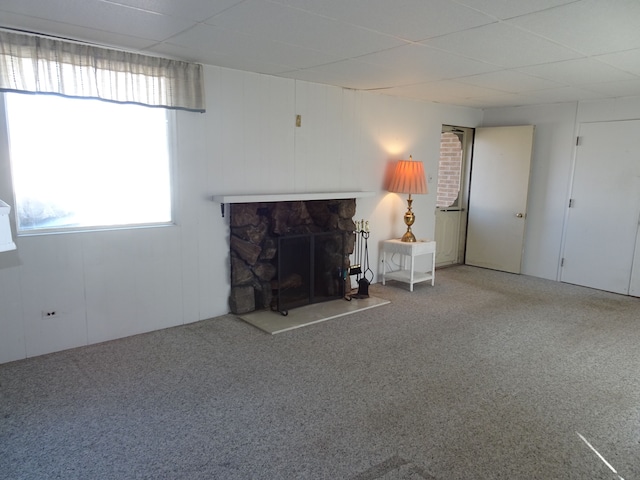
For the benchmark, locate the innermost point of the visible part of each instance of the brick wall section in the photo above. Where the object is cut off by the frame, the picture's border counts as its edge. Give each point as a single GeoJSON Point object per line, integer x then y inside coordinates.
{"type": "Point", "coordinates": [449, 170]}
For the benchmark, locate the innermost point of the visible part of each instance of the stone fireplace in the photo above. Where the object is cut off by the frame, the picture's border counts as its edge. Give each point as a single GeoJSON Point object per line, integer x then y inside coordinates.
{"type": "Point", "coordinates": [268, 241]}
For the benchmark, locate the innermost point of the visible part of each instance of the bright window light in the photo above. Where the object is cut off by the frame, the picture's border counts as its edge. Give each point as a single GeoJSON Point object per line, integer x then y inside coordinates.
{"type": "Point", "coordinates": [81, 164]}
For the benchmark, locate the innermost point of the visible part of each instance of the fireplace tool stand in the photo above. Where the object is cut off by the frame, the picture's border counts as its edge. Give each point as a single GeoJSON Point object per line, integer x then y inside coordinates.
{"type": "Point", "coordinates": [361, 269]}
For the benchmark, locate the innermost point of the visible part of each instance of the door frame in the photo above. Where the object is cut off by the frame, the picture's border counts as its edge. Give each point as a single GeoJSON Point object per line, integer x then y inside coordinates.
{"type": "Point", "coordinates": [466, 135]}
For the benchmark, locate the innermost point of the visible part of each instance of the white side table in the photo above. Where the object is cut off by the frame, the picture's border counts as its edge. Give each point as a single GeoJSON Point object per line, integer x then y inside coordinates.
{"type": "Point", "coordinates": [409, 251]}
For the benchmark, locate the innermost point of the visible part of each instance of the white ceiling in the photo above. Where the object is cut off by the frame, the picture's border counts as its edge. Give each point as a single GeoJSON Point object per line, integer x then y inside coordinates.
{"type": "Point", "coordinates": [478, 53]}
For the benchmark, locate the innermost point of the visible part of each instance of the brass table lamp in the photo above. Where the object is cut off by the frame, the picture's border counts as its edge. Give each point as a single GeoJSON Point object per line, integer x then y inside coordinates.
{"type": "Point", "coordinates": [409, 177]}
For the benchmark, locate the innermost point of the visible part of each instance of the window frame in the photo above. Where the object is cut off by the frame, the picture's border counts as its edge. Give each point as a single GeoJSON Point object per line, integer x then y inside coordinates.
{"type": "Point", "coordinates": [7, 190]}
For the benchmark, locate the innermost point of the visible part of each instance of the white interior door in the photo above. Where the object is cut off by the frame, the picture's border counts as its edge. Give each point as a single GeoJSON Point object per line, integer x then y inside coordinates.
{"type": "Point", "coordinates": [498, 197]}
{"type": "Point", "coordinates": [602, 221]}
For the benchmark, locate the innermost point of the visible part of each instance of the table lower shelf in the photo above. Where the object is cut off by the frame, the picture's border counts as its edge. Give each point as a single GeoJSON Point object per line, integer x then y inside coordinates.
{"type": "Point", "coordinates": [405, 276]}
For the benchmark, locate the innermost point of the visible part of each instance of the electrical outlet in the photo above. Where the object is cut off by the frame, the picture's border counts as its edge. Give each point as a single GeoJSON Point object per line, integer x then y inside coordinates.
{"type": "Point", "coordinates": [50, 314]}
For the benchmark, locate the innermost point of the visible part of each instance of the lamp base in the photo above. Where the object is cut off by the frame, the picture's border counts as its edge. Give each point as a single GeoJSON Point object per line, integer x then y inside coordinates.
{"type": "Point", "coordinates": [408, 237]}
{"type": "Point", "coordinates": [409, 219]}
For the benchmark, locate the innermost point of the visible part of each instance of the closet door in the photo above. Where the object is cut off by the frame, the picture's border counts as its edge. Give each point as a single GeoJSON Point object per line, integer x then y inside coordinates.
{"type": "Point", "coordinates": [602, 223]}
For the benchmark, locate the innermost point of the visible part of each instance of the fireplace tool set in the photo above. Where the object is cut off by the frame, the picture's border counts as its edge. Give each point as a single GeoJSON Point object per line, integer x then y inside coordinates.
{"type": "Point", "coordinates": [361, 268]}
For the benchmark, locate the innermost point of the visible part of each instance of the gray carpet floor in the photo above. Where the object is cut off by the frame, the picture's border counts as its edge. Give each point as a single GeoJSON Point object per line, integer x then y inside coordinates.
{"type": "Point", "coordinates": [487, 375]}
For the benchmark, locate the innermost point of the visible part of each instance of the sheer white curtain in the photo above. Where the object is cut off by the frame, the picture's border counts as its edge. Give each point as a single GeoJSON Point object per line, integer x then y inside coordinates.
{"type": "Point", "coordinates": [32, 63]}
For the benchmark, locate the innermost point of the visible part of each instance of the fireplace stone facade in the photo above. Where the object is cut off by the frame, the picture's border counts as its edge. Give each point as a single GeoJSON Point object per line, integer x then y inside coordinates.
{"type": "Point", "coordinates": [255, 229]}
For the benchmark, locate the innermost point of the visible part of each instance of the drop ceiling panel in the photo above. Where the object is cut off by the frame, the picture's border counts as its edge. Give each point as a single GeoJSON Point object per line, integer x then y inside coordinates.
{"type": "Point", "coordinates": [194, 10]}
{"type": "Point", "coordinates": [220, 59]}
{"type": "Point", "coordinates": [407, 19]}
{"type": "Point", "coordinates": [108, 39]}
{"type": "Point", "coordinates": [502, 100]}
{"type": "Point", "coordinates": [322, 77]}
{"type": "Point", "coordinates": [427, 64]}
{"type": "Point", "coordinates": [434, 91]}
{"type": "Point", "coordinates": [509, 81]}
{"type": "Point", "coordinates": [628, 60]}
{"type": "Point", "coordinates": [444, 92]}
{"type": "Point", "coordinates": [209, 42]}
{"type": "Point", "coordinates": [623, 88]}
{"type": "Point", "coordinates": [592, 27]}
{"type": "Point", "coordinates": [503, 45]}
{"type": "Point", "coordinates": [565, 94]}
{"type": "Point", "coordinates": [283, 24]}
{"type": "Point", "coordinates": [512, 8]}
{"type": "Point", "coordinates": [354, 74]}
{"type": "Point", "coordinates": [576, 72]}
{"type": "Point", "coordinates": [425, 94]}
{"type": "Point", "coordinates": [101, 16]}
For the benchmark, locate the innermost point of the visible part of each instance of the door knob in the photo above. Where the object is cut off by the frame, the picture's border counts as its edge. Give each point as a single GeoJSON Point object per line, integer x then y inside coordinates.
{"type": "Point", "coordinates": [519, 215]}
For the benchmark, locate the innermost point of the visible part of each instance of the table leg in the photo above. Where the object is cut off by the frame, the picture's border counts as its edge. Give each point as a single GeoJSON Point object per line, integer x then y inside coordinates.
{"type": "Point", "coordinates": [433, 269]}
{"type": "Point", "coordinates": [384, 265]}
{"type": "Point", "coordinates": [411, 274]}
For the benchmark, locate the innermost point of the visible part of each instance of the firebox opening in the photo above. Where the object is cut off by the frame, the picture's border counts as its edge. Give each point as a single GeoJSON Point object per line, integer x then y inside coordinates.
{"type": "Point", "coordinates": [311, 269]}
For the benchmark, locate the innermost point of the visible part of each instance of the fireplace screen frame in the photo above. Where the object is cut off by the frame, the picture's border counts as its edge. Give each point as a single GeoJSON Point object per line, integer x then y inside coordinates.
{"type": "Point", "coordinates": [308, 272]}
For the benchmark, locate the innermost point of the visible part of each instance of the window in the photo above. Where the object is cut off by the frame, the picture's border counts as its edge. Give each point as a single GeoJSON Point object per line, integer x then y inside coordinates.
{"type": "Point", "coordinates": [449, 171]}
{"type": "Point", "coordinates": [83, 164]}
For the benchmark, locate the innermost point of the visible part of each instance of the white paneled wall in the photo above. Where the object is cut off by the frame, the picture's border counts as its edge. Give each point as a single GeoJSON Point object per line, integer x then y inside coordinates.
{"type": "Point", "coordinates": [112, 284]}
{"type": "Point", "coordinates": [325, 143]}
{"type": "Point", "coordinates": [12, 332]}
{"type": "Point", "coordinates": [254, 148]}
{"type": "Point", "coordinates": [52, 279]}
{"type": "Point", "coordinates": [131, 282]}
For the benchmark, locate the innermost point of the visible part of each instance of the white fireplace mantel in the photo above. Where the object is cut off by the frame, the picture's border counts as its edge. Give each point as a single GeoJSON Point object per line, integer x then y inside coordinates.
{"type": "Point", "coordinates": [286, 197]}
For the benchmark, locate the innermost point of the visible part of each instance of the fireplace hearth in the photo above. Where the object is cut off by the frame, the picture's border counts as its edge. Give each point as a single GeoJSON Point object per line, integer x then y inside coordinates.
{"type": "Point", "coordinates": [290, 253]}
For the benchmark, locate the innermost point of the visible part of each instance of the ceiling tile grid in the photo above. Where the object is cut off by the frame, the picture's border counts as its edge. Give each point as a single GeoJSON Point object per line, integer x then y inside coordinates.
{"type": "Point", "coordinates": [478, 53]}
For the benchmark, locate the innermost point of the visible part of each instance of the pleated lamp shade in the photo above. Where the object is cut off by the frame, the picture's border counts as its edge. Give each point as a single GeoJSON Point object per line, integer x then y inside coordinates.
{"type": "Point", "coordinates": [408, 177]}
